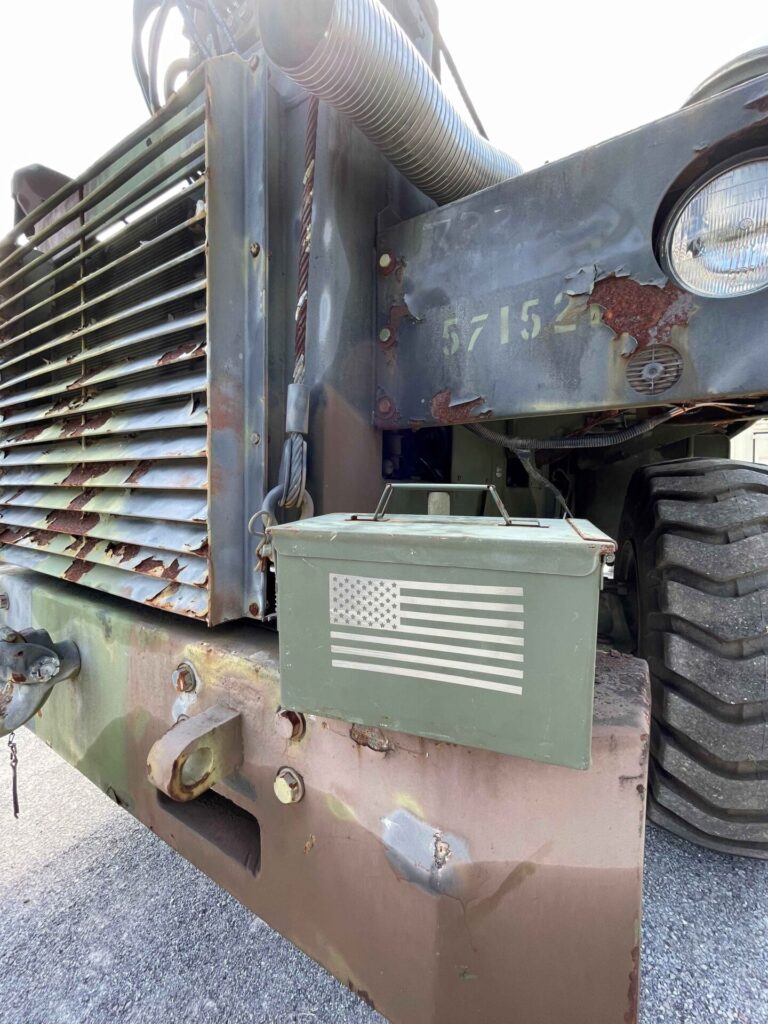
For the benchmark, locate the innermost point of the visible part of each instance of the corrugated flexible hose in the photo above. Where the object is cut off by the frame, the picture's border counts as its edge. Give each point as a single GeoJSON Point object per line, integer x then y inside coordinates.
{"type": "Point", "coordinates": [355, 56]}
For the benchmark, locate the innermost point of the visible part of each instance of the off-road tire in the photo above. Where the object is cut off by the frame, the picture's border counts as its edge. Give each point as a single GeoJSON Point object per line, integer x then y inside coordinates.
{"type": "Point", "coordinates": [693, 554]}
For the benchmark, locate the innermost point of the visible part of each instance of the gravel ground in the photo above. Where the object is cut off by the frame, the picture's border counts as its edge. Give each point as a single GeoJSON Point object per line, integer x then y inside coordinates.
{"type": "Point", "coordinates": [101, 921]}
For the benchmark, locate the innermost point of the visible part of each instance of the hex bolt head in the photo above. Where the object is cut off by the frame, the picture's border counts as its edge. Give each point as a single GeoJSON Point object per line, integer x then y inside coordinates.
{"type": "Point", "coordinates": [184, 678]}
{"type": "Point", "coordinates": [255, 249]}
{"type": "Point", "coordinates": [288, 786]}
{"type": "Point", "coordinates": [385, 261]}
{"type": "Point", "coordinates": [385, 335]}
{"type": "Point", "coordinates": [291, 725]}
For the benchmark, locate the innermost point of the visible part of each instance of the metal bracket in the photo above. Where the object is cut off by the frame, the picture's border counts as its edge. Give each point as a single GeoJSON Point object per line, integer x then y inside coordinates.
{"type": "Point", "coordinates": [30, 666]}
{"type": "Point", "coordinates": [381, 508]}
{"type": "Point", "coordinates": [197, 753]}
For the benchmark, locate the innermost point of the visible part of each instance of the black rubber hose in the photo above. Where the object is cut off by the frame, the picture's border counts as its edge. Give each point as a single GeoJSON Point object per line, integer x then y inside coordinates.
{"type": "Point", "coordinates": [532, 444]}
{"type": "Point", "coordinates": [153, 57]}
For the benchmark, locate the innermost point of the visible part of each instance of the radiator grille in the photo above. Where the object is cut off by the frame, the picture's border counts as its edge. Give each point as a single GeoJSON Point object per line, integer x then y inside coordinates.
{"type": "Point", "coordinates": [104, 373]}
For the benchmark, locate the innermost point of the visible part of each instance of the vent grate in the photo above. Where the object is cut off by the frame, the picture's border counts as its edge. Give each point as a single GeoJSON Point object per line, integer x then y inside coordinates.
{"type": "Point", "coordinates": [103, 373]}
{"type": "Point", "coordinates": [654, 370]}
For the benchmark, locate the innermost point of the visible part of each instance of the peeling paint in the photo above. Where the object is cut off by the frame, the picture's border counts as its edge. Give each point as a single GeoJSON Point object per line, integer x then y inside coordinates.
{"type": "Point", "coordinates": [81, 474]}
{"type": "Point", "coordinates": [446, 409]}
{"type": "Point", "coordinates": [64, 521]}
{"type": "Point", "coordinates": [77, 570]}
{"type": "Point", "coordinates": [644, 312]}
{"type": "Point", "coordinates": [185, 348]}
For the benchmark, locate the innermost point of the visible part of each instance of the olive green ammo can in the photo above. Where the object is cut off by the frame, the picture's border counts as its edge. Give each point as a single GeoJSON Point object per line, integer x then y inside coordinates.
{"type": "Point", "coordinates": [476, 631]}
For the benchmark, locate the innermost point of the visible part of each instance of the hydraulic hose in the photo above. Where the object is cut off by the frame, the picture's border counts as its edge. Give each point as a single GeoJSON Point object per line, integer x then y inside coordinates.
{"type": "Point", "coordinates": [532, 444]}
{"type": "Point", "coordinates": [354, 55]}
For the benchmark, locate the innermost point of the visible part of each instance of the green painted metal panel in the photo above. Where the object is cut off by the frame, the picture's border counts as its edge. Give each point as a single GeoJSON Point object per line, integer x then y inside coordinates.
{"type": "Point", "coordinates": [469, 630]}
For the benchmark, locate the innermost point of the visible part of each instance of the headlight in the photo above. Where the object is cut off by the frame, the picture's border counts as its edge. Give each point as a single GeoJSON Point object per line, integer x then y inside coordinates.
{"type": "Point", "coordinates": [715, 242]}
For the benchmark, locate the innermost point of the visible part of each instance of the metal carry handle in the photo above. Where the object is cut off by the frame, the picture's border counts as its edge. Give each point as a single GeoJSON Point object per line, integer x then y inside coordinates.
{"type": "Point", "coordinates": [488, 488]}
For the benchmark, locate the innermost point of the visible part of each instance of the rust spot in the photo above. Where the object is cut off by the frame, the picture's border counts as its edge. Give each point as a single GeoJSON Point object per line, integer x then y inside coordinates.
{"type": "Point", "coordinates": [38, 538]}
{"type": "Point", "coordinates": [163, 599]}
{"type": "Point", "coordinates": [181, 350]}
{"type": "Point", "coordinates": [64, 521]}
{"type": "Point", "coordinates": [254, 610]}
{"type": "Point", "coordinates": [141, 469]}
{"type": "Point", "coordinates": [155, 567]}
{"type": "Point", "coordinates": [77, 570]}
{"type": "Point", "coordinates": [760, 104]}
{"type": "Point", "coordinates": [84, 472]}
{"type": "Point", "coordinates": [630, 1017]}
{"type": "Point", "coordinates": [151, 567]}
{"type": "Point", "coordinates": [123, 552]}
{"type": "Point", "coordinates": [76, 428]}
{"type": "Point", "coordinates": [82, 499]}
{"type": "Point", "coordinates": [18, 677]}
{"type": "Point", "coordinates": [308, 846]}
{"type": "Point", "coordinates": [203, 550]}
{"type": "Point", "coordinates": [444, 411]}
{"type": "Point", "coordinates": [645, 312]}
{"type": "Point", "coordinates": [82, 379]}
{"type": "Point", "coordinates": [32, 432]}
{"type": "Point", "coordinates": [371, 737]}
{"type": "Point", "coordinates": [82, 546]}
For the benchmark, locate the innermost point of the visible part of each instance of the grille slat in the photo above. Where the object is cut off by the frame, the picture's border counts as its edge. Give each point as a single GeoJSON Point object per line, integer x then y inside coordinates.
{"type": "Point", "coordinates": [168, 506]}
{"type": "Point", "coordinates": [135, 393]}
{"type": "Point", "coordinates": [173, 538]}
{"type": "Point", "coordinates": [114, 449]}
{"type": "Point", "coordinates": [178, 475]}
{"type": "Point", "coordinates": [187, 568]}
{"type": "Point", "coordinates": [169, 595]}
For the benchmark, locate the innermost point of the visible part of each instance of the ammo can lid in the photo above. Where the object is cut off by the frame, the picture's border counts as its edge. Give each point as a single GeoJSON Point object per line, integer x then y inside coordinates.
{"type": "Point", "coordinates": [562, 547]}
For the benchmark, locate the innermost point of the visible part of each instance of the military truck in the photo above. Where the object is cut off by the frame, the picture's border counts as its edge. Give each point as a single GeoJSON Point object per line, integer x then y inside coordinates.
{"type": "Point", "coordinates": [367, 520]}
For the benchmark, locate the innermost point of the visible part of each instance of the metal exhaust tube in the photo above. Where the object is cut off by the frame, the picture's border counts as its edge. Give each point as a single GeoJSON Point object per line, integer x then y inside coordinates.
{"type": "Point", "coordinates": [354, 55]}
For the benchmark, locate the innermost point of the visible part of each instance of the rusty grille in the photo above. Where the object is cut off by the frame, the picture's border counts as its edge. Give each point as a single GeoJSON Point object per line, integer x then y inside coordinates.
{"type": "Point", "coordinates": [104, 372]}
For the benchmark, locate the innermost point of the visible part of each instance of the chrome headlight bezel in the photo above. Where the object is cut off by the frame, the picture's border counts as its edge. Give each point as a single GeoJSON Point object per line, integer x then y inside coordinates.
{"type": "Point", "coordinates": [673, 218]}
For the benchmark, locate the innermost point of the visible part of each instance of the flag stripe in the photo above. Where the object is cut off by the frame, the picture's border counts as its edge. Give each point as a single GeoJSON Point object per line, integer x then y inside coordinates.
{"type": "Point", "coordinates": [491, 670]}
{"type": "Point", "coordinates": [454, 634]}
{"type": "Point", "coordinates": [464, 620]}
{"type": "Point", "coordinates": [424, 645]}
{"type": "Point", "coordinates": [464, 588]}
{"type": "Point", "coordinates": [478, 606]}
{"type": "Point", "coordinates": [395, 670]}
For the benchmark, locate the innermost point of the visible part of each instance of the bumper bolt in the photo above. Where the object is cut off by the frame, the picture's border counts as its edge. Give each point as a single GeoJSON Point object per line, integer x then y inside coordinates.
{"type": "Point", "coordinates": [184, 678]}
{"type": "Point", "coordinates": [288, 786]}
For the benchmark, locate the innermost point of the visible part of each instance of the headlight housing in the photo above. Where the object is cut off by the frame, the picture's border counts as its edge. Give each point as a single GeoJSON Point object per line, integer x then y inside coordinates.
{"type": "Point", "coordinates": [715, 241]}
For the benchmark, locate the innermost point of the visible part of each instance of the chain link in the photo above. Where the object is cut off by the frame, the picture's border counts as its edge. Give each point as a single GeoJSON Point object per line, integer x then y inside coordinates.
{"type": "Point", "coordinates": [14, 773]}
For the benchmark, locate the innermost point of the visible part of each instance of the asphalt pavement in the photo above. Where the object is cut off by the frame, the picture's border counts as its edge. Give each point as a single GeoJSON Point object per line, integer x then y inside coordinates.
{"type": "Point", "coordinates": [100, 921]}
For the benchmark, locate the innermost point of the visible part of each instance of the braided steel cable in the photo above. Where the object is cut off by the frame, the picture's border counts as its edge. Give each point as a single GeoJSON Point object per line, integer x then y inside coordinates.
{"type": "Point", "coordinates": [296, 451]}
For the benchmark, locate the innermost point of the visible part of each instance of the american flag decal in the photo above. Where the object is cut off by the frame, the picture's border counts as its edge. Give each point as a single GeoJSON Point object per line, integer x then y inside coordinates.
{"type": "Point", "coordinates": [467, 635]}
